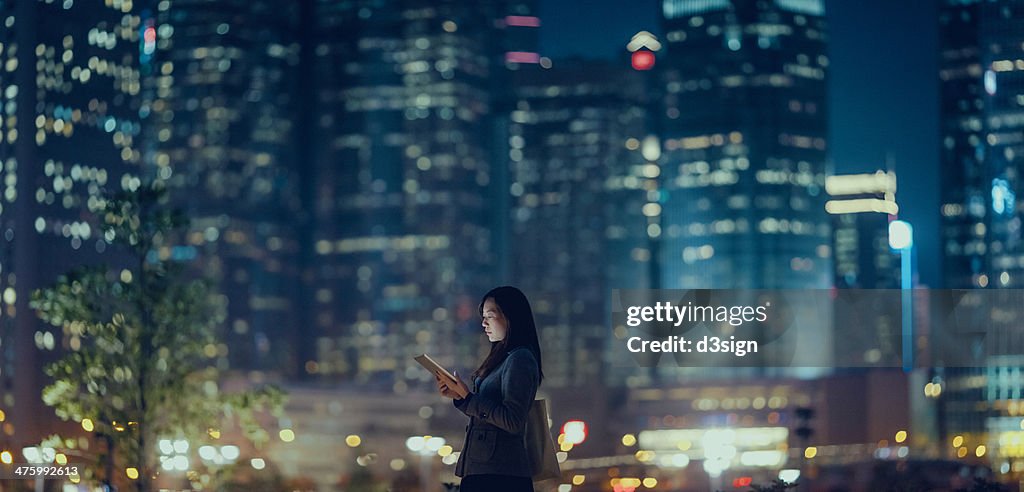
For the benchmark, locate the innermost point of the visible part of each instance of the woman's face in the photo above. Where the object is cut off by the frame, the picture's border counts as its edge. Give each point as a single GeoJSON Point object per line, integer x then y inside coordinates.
{"type": "Point", "coordinates": [494, 322]}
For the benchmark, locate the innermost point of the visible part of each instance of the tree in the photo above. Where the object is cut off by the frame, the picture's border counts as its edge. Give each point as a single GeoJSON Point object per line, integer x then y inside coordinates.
{"type": "Point", "coordinates": [140, 341]}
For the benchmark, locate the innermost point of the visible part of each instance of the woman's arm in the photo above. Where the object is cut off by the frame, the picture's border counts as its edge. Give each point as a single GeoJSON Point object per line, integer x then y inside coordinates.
{"type": "Point", "coordinates": [518, 388]}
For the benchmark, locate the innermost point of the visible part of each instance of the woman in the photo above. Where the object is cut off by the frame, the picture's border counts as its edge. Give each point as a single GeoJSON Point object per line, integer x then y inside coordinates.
{"type": "Point", "coordinates": [494, 457]}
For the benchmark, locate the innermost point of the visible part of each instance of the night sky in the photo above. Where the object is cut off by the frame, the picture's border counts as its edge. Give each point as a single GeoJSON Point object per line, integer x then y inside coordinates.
{"type": "Point", "coordinates": [883, 88]}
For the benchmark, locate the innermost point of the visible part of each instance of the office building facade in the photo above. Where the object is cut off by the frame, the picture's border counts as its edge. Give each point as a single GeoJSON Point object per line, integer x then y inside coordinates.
{"type": "Point", "coordinates": [403, 187]}
{"type": "Point", "coordinates": [744, 129]}
{"type": "Point", "coordinates": [576, 185]}
{"type": "Point", "coordinates": [221, 110]}
{"type": "Point", "coordinates": [69, 129]}
{"type": "Point", "coordinates": [861, 207]}
{"type": "Point", "coordinates": [981, 118]}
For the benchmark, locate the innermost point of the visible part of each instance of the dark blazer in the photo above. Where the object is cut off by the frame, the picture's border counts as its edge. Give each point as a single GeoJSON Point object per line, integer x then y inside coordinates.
{"type": "Point", "coordinates": [497, 410]}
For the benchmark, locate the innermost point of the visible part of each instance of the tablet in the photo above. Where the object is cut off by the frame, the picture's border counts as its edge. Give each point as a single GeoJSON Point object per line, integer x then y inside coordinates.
{"type": "Point", "coordinates": [435, 368]}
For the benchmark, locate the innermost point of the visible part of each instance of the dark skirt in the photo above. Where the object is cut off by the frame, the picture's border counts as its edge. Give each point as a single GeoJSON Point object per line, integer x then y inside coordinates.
{"type": "Point", "coordinates": [496, 483]}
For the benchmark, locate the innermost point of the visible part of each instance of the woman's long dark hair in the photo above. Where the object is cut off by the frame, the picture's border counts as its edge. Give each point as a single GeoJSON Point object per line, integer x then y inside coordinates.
{"type": "Point", "coordinates": [522, 331]}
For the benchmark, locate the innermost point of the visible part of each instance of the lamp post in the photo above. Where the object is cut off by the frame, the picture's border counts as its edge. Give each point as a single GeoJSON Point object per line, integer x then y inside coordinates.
{"type": "Point", "coordinates": [425, 447]}
{"type": "Point", "coordinates": [901, 237]}
{"type": "Point", "coordinates": [719, 451]}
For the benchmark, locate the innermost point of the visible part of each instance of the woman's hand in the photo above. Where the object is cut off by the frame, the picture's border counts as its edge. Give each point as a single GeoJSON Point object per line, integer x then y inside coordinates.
{"type": "Point", "coordinates": [456, 390]}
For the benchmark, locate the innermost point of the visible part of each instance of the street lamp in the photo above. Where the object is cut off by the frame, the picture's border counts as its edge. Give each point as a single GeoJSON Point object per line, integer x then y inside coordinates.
{"type": "Point", "coordinates": [901, 237]}
{"type": "Point", "coordinates": [719, 451]}
{"type": "Point", "coordinates": [425, 446]}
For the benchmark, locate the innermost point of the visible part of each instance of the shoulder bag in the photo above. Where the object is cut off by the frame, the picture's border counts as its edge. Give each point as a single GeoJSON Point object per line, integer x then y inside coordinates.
{"type": "Point", "coordinates": [539, 446]}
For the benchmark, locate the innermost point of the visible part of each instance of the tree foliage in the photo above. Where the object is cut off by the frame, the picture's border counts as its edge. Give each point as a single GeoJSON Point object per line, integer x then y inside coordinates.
{"type": "Point", "coordinates": [140, 345]}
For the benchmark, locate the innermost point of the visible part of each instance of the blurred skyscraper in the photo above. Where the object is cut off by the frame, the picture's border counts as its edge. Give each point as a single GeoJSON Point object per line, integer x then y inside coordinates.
{"type": "Point", "coordinates": [405, 194]}
{"type": "Point", "coordinates": [741, 115]}
{"type": "Point", "coordinates": [577, 186]}
{"type": "Point", "coordinates": [963, 188]}
{"type": "Point", "coordinates": [982, 97]}
{"type": "Point", "coordinates": [744, 129]}
{"type": "Point", "coordinates": [220, 114]}
{"type": "Point", "coordinates": [69, 81]}
{"type": "Point", "coordinates": [861, 206]}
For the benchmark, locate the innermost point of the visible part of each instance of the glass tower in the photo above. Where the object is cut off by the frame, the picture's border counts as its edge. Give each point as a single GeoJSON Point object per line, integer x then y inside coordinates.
{"type": "Point", "coordinates": [982, 116]}
{"type": "Point", "coordinates": [69, 128]}
{"type": "Point", "coordinates": [861, 206]}
{"type": "Point", "coordinates": [220, 115]}
{"type": "Point", "coordinates": [403, 195]}
{"type": "Point", "coordinates": [962, 154]}
{"type": "Point", "coordinates": [577, 185]}
{"type": "Point", "coordinates": [744, 135]}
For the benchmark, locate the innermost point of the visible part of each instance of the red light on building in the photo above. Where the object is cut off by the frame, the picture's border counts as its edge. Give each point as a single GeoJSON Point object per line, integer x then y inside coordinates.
{"type": "Point", "coordinates": [522, 57]}
{"type": "Point", "coordinates": [642, 60]}
{"type": "Point", "coordinates": [742, 482]}
{"type": "Point", "coordinates": [149, 40]}
{"type": "Point", "coordinates": [522, 21]}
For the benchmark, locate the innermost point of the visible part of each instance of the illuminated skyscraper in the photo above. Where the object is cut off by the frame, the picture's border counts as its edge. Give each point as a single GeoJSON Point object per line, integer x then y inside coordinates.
{"type": "Point", "coordinates": [861, 207]}
{"type": "Point", "coordinates": [221, 108]}
{"type": "Point", "coordinates": [963, 190]}
{"type": "Point", "coordinates": [744, 134]}
{"type": "Point", "coordinates": [403, 196]}
{"type": "Point", "coordinates": [578, 183]}
{"type": "Point", "coordinates": [1001, 37]}
{"type": "Point", "coordinates": [69, 81]}
{"type": "Point", "coordinates": [982, 117]}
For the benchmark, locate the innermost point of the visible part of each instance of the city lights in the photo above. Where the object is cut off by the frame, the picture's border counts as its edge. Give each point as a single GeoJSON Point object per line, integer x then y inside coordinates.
{"type": "Point", "coordinates": [286, 435]}
{"type": "Point", "coordinates": [229, 452]}
{"type": "Point", "coordinates": [173, 455]}
{"type": "Point", "coordinates": [415, 443]}
{"type": "Point", "coordinates": [901, 235]}
{"type": "Point", "coordinates": [575, 432]}
{"type": "Point", "coordinates": [32, 454]}
{"type": "Point", "coordinates": [354, 174]}
{"type": "Point", "coordinates": [642, 60]}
